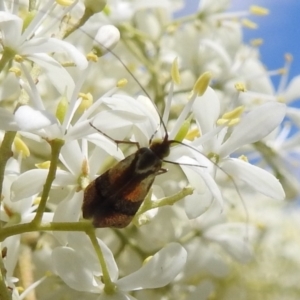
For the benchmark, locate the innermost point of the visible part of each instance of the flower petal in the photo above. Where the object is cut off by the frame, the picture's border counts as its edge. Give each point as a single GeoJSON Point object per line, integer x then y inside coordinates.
{"type": "Point", "coordinates": [56, 73]}
{"type": "Point", "coordinates": [28, 184]}
{"type": "Point", "coordinates": [29, 119]}
{"type": "Point", "coordinates": [233, 239]}
{"type": "Point", "coordinates": [292, 92]}
{"type": "Point", "coordinates": [207, 110]}
{"type": "Point", "coordinates": [261, 180]}
{"type": "Point", "coordinates": [81, 243]}
{"type": "Point", "coordinates": [11, 29]}
{"type": "Point", "coordinates": [49, 45]}
{"type": "Point", "coordinates": [162, 268]}
{"type": "Point", "coordinates": [31, 182]}
{"type": "Point", "coordinates": [254, 126]}
{"type": "Point", "coordinates": [72, 270]}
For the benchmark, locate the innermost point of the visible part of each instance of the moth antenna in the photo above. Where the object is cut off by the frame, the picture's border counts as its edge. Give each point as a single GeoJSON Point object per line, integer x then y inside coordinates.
{"type": "Point", "coordinates": [116, 141]}
{"type": "Point", "coordinates": [182, 164]}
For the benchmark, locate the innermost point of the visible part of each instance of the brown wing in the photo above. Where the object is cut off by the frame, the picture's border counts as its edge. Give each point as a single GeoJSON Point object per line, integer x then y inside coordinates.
{"type": "Point", "coordinates": [113, 198]}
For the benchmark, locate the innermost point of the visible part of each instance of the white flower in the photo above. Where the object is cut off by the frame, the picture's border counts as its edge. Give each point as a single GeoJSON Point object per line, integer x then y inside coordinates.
{"type": "Point", "coordinates": [36, 49]}
{"type": "Point", "coordinates": [214, 142]}
{"type": "Point", "coordinates": [77, 265]}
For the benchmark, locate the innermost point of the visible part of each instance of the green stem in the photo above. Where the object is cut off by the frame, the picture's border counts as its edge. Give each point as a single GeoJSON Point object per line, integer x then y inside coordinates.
{"type": "Point", "coordinates": [131, 243]}
{"type": "Point", "coordinates": [55, 150]}
{"type": "Point", "coordinates": [4, 291]}
{"type": "Point", "coordinates": [83, 226]}
{"type": "Point", "coordinates": [5, 154]}
{"type": "Point", "coordinates": [165, 201]}
{"type": "Point", "coordinates": [110, 287]}
{"type": "Point", "coordinates": [86, 15]}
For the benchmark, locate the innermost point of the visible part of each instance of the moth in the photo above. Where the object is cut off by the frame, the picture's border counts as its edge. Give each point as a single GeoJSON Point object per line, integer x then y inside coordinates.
{"type": "Point", "coordinates": [113, 199]}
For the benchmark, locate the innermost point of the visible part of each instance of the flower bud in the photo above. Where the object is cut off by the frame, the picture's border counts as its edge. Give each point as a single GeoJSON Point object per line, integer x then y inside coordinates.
{"type": "Point", "coordinates": [106, 38]}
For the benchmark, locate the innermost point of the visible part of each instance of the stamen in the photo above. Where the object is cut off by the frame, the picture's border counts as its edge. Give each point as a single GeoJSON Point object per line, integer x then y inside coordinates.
{"type": "Point", "coordinates": [62, 109]}
{"type": "Point", "coordinates": [86, 102]}
{"type": "Point", "coordinates": [16, 71]}
{"type": "Point", "coordinates": [256, 42]}
{"type": "Point", "coordinates": [21, 147]}
{"type": "Point", "coordinates": [122, 82]}
{"type": "Point", "coordinates": [92, 57]}
{"type": "Point", "coordinates": [18, 58]}
{"type": "Point", "coordinates": [175, 72]}
{"type": "Point", "coordinates": [202, 83]}
{"type": "Point", "coordinates": [259, 10]}
{"type": "Point", "coordinates": [64, 3]}
{"type": "Point", "coordinates": [249, 24]}
{"type": "Point", "coordinates": [43, 165]}
{"type": "Point", "coordinates": [240, 87]}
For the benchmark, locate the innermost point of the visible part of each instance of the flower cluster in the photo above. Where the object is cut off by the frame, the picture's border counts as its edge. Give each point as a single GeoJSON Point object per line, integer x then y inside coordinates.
{"type": "Point", "coordinates": [202, 104]}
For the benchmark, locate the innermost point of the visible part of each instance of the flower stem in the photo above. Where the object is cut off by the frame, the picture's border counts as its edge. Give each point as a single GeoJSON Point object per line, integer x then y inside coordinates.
{"type": "Point", "coordinates": [4, 291]}
{"type": "Point", "coordinates": [109, 285]}
{"type": "Point", "coordinates": [53, 226]}
{"type": "Point", "coordinates": [147, 205]}
{"type": "Point", "coordinates": [5, 154]}
{"type": "Point", "coordinates": [55, 150]}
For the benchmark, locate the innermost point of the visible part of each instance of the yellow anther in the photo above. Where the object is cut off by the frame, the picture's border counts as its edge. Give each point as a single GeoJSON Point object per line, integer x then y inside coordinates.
{"type": "Point", "coordinates": [192, 134]}
{"type": "Point", "coordinates": [92, 57]}
{"type": "Point", "coordinates": [175, 72]}
{"type": "Point", "coordinates": [172, 28]}
{"type": "Point", "coordinates": [244, 158]}
{"type": "Point", "coordinates": [122, 82]}
{"type": "Point", "coordinates": [18, 58]}
{"type": "Point", "coordinates": [236, 113]}
{"type": "Point", "coordinates": [21, 147]}
{"type": "Point", "coordinates": [37, 200]}
{"type": "Point", "coordinates": [288, 57]}
{"type": "Point", "coordinates": [16, 71]}
{"type": "Point", "coordinates": [221, 122]}
{"type": "Point", "coordinates": [43, 165]}
{"type": "Point", "coordinates": [256, 42]}
{"type": "Point", "coordinates": [240, 87]}
{"type": "Point", "coordinates": [61, 109]}
{"type": "Point", "coordinates": [202, 83]}
{"type": "Point", "coordinates": [233, 122]}
{"type": "Point", "coordinates": [64, 3]}
{"type": "Point", "coordinates": [282, 71]}
{"type": "Point", "coordinates": [281, 99]}
{"type": "Point", "coordinates": [249, 24]}
{"type": "Point", "coordinates": [86, 101]}
{"type": "Point", "coordinates": [259, 10]}
{"type": "Point", "coordinates": [184, 128]}
{"type": "Point", "coordinates": [20, 289]}
{"type": "Point", "coordinates": [231, 118]}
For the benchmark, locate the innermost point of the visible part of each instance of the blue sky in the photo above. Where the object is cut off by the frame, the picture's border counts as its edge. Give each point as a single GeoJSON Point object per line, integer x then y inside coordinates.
{"type": "Point", "coordinates": [280, 30]}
